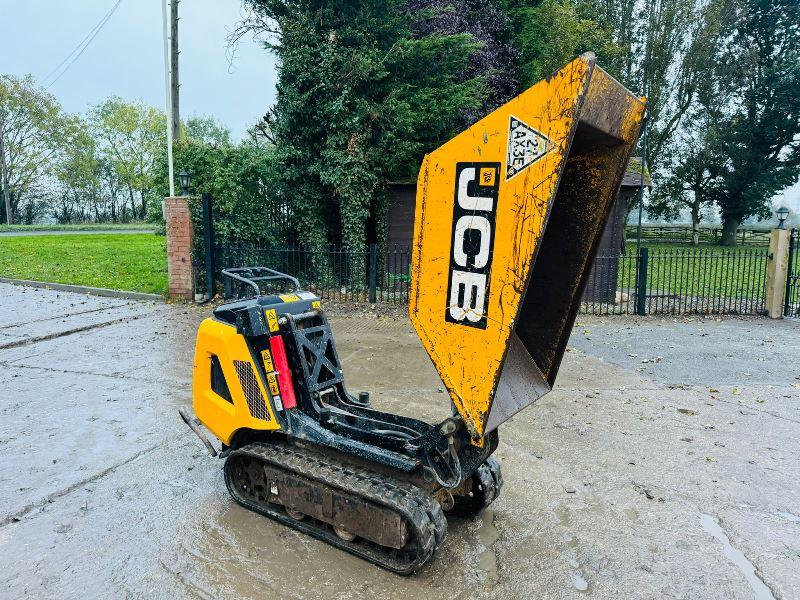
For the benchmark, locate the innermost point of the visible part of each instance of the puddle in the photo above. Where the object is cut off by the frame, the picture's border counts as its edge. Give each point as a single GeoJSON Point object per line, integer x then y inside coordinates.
{"type": "Point", "coordinates": [737, 557]}
{"type": "Point", "coordinates": [487, 562]}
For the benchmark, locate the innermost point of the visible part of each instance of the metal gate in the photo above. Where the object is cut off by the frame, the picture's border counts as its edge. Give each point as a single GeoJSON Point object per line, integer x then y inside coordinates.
{"type": "Point", "coordinates": [791, 306]}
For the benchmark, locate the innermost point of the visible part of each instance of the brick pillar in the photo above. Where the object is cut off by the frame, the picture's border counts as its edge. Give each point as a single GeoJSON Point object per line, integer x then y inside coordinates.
{"type": "Point", "coordinates": [179, 248]}
{"type": "Point", "coordinates": [777, 270]}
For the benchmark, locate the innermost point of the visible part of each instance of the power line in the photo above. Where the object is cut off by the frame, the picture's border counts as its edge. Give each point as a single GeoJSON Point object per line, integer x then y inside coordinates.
{"type": "Point", "coordinates": [81, 47]}
{"type": "Point", "coordinates": [92, 35]}
{"type": "Point", "coordinates": [75, 49]}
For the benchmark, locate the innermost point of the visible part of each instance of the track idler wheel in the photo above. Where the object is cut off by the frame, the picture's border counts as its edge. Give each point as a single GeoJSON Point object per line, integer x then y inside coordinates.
{"type": "Point", "coordinates": [486, 484]}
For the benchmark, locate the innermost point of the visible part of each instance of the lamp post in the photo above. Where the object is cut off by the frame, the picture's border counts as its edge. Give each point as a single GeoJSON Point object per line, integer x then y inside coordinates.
{"type": "Point", "coordinates": [782, 213]}
{"type": "Point", "coordinates": [185, 178]}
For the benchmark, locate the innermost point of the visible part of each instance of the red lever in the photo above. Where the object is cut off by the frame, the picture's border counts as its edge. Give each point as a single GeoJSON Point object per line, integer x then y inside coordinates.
{"type": "Point", "coordinates": [284, 373]}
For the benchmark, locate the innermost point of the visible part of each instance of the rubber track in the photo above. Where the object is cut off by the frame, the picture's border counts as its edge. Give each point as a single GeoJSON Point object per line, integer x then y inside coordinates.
{"type": "Point", "coordinates": [423, 514]}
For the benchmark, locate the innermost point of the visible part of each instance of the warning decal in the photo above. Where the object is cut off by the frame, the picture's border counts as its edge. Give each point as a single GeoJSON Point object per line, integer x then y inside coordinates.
{"type": "Point", "coordinates": [525, 146]}
{"type": "Point", "coordinates": [269, 366]}
{"type": "Point", "coordinates": [272, 320]}
{"type": "Point", "coordinates": [273, 384]}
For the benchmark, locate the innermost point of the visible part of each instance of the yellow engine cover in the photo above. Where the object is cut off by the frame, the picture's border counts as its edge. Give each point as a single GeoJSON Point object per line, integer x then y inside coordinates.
{"type": "Point", "coordinates": [249, 406]}
{"type": "Point", "coordinates": [508, 217]}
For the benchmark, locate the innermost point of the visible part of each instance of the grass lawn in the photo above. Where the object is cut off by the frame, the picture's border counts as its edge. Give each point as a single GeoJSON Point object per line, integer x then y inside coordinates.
{"type": "Point", "coordinates": [131, 262]}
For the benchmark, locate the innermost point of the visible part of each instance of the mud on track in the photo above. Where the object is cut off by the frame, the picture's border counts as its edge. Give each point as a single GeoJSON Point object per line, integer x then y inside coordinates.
{"type": "Point", "coordinates": [652, 425]}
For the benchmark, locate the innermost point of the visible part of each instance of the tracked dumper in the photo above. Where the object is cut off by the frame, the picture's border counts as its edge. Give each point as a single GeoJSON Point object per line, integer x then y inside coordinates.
{"type": "Point", "coordinates": [508, 218]}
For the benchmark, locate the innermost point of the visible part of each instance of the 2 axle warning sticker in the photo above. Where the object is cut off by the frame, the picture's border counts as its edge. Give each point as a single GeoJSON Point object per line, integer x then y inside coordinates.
{"type": "Point", "coordinates": [525, 146]}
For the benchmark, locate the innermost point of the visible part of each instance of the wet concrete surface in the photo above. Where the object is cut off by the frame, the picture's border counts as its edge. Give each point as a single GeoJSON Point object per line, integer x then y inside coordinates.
{"type": "Point", "coordinates": [613, 482]}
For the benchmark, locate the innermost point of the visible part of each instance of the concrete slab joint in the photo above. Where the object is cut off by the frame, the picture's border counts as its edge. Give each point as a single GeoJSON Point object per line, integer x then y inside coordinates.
{"type": "Point", "coordinates": [777, 271]}
{"type": "Point", "coordinates": [180, 234]}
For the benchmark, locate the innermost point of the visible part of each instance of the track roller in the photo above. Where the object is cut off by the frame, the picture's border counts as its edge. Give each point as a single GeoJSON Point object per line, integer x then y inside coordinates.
{"type": "Point", "coordinates": [486, 484]}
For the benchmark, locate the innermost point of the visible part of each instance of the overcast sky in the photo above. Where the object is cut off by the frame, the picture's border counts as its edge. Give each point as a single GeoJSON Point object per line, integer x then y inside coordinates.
{"type": "Point", "coordinates": [126, 58]}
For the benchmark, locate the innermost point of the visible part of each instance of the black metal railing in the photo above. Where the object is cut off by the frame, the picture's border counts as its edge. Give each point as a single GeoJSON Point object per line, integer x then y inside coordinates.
{"type": "Point", "coordinates": [704, 280]}
{"type": "Point", "coordinates": [333, 273]}
{"type": "Point", "coordinates": [791, 307]}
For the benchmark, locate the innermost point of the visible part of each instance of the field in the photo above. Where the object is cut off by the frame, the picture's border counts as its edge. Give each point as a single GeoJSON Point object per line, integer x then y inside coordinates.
{"type": "Point", "coordinates": [699, 271]}
{"type": "Point", "coordinates": [683, 279]}
{"type": "Point", "coordinates": [81, 227]}
{"type": "Point", "coordinates": [131, 262]}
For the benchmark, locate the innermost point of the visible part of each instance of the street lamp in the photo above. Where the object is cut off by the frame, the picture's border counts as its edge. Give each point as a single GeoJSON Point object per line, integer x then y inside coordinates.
{"type": "Point", "coordinates": [782, 213]}
{"type": "Point", "coordinates": [185, 178]}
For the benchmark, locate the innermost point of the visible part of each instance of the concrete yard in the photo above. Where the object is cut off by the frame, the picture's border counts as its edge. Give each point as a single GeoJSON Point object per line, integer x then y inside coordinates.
{"type": "Point", "coordinates": [665, 464]}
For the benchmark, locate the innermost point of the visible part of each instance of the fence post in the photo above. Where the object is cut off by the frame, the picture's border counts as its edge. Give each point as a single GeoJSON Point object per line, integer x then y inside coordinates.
{"type": "Point", "coordinates": [777, 273]}
{"type": "Point", "coordinates": [208, 239]}
{"type": "Point", "coordinates": [641, 290]}
{"type": "Point", "coordinates": [180, 236]}
{"type": "Point", "coordinates": [373, 273]}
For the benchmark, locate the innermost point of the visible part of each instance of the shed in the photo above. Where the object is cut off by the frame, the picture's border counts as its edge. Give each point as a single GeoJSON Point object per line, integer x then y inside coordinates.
{"type": "Point", "coordinates": [603, 278]}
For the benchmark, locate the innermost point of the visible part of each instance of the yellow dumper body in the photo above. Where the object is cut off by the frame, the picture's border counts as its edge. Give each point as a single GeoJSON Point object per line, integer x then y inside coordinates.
{"type": "Point", "coordinates": [509, 214]}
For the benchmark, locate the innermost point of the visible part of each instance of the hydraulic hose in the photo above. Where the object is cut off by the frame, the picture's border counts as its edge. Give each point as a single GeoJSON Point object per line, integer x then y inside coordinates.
{"type": "Point", "coordinates": [456, 471]}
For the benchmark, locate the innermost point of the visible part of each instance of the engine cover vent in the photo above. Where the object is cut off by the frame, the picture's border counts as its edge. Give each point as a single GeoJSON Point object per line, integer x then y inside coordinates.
{"type": "Point", "coordinates": [256, 402]}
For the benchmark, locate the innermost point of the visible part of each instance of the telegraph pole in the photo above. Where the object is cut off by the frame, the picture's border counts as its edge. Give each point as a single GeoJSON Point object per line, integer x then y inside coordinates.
{"type": "Point", "coordinates": [174, 81]}
{"type": "Point", "coordinates": [168, 96]}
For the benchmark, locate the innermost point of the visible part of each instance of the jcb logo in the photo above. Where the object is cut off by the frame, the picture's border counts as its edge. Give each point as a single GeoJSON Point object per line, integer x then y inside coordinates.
{"type": "Point", "coordinates": [473, 239]}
